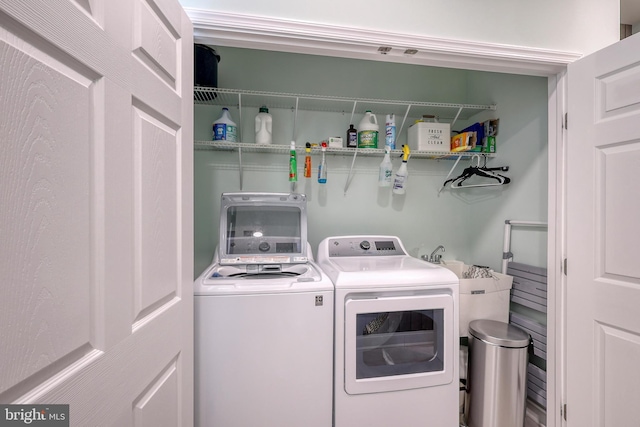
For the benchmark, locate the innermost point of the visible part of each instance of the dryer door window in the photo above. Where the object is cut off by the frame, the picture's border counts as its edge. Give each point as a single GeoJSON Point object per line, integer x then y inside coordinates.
{"type": "Point", "coordinates": [398, 343]}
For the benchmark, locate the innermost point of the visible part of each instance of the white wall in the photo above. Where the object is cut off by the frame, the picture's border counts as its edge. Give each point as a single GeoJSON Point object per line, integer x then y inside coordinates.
{"type": "Point", "coordinates": [468, 222]}
{"type": "Point", "coordinates": [581, 26]}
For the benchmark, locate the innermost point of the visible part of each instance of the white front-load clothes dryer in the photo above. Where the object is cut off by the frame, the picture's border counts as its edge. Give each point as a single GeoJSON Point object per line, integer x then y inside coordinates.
{"type": "Point", "coordinates": [263, 320]}
{"type": "Point", "coordinates": [396, 335]}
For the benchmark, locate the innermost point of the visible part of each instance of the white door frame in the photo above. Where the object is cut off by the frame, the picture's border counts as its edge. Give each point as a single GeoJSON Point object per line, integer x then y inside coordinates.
{"type": "Point", "coordinates": [257, 32]}
{"type": "Point", "coordinates": [556, 249]}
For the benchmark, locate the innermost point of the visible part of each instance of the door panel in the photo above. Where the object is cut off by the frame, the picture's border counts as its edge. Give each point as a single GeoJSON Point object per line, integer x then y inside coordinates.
{"type": "Point", "coordinates": [46, 224]}
{"type": "Point", "coordinates": [603, 278]}
{"type": "Point", "coordinates": [155, 188]}
{"type": "Point", "coordinates": [617, 376]}
{"type": "Point", "coordinates": [96, 165]}
{"type": "Point", "coordinates": [618, 167]}
{"type": "Point", "coordinates": [155, 42]}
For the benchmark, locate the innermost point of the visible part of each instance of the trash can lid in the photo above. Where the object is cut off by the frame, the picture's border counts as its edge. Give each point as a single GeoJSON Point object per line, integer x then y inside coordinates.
{"type": "Point", "coordinates": [499, 333]}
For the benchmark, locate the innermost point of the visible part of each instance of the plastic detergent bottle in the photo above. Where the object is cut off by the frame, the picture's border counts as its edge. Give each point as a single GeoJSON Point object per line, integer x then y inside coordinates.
{"type": "Point", "coordinates": [352, 137]}
{"type": "Point", "coordinates": [293, 163]}
{"type": "Point", "coordinates": [307, 161]}
{"type": "Point", "coordinates": [368, 131]}
{"type": "Point", "coordinates": [263, 126]}
{"type": "Point", "coordinates": [386, 169]}
{"type": "Point", "coordinates": [390, 131]}
{"type": "Point", "coordinates": [400, 181]}
{"type": "Point", "coordinates": [224, 129]}
{"type": "Point", "coordinates": [322, 167]}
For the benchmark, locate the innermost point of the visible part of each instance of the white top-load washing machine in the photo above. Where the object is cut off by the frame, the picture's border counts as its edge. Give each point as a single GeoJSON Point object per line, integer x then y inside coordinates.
{"type": "Point", "coordinates": [396, 335]}
{"type": "Point", "coordinates": [263, 320]}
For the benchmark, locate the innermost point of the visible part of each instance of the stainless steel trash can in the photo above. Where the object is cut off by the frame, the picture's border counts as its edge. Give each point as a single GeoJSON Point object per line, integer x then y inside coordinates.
{"type": "Point", "coordinates": [497, 377]}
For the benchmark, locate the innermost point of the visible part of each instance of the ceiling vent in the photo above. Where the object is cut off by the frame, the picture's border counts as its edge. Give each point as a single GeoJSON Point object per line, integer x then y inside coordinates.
{"type": "Point", "coordinates": [410, 51]}
{"type": "Point", "coordinates": [384, 50]}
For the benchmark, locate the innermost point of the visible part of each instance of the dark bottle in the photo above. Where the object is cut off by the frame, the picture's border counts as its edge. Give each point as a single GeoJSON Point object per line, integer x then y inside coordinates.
{"type": "Point", "coordinates": [352, 137]}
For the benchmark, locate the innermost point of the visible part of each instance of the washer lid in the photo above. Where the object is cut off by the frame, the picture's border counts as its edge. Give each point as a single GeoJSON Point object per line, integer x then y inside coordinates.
{"type": "Point", "coordinates": [499, 333]}
{"type": "Point", "coordinates": [263, 228]}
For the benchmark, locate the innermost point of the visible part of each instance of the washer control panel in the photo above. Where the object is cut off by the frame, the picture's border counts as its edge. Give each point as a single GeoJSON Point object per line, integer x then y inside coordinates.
{"type": "Point", "coordinates": [365, 246]}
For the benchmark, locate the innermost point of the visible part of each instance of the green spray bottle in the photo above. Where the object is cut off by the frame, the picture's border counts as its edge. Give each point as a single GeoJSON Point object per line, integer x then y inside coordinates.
{"type": "Point", "coordinates": [293, 163]}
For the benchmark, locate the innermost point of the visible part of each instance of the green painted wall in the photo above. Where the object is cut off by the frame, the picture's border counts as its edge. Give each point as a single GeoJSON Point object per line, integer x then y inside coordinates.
{"type": "Point", "coordinates": [469, 223]}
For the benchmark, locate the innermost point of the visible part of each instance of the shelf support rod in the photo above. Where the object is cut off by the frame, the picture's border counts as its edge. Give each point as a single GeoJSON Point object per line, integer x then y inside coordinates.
{"type": "Point", "coordinates": [240, 165]}
{"type": "Point", "coordinates": [239, 128]}
{"type": "Point", "coordinates": [353, 112]}
{"type": "Point", "coordinates": [450, 172]}
{"type": "Point", "coordinates": [355, 153]}
{"type": "Point", "coordinates": [404, 119]}
{"type": "Point", "coordinates": [295, 121]}
{"type": "Point", "coordinates": [457, 115]}
{"type": "Point", "coordinates": [350, 176]}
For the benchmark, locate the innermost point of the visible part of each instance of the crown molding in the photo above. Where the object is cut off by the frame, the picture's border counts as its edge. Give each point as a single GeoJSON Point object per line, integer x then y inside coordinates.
{"type": "Point", "coordinates": [267, 33]}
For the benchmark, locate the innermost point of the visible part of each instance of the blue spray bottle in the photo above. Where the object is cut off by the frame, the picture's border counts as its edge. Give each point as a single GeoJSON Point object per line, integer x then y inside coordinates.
{"type": "Point", "coordinates": [322, 167]}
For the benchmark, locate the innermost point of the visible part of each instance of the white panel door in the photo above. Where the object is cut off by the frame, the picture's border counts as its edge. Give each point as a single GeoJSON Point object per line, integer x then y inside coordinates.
{"type": "Point", "coordinates": [96, 209]}
{"type": "Point", "coordinates": [603, 235]}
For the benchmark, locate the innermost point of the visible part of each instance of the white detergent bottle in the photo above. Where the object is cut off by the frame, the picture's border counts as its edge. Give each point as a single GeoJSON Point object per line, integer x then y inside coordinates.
{"type": "Point", "coordinates": [386, 169]}
{"type": "Point", "coordinates": [263, 126]}
{"type": "Point", "coordinates": [368, 131]}
{"type": "Point", "coordinates": [224, 129]}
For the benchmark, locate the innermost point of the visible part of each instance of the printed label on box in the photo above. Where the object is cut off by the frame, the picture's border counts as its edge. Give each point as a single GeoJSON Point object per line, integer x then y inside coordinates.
{"type": "Point", "coordinates": [424, 136]}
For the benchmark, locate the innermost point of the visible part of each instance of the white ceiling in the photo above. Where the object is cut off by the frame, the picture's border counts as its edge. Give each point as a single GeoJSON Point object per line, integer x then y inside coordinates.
{"type": "Point", "coordinates": [629, 12]}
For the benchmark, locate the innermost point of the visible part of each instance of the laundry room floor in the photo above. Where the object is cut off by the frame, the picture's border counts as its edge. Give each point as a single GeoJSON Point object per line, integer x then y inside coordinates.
{"type": "Point", "coordinates": [535, 417]}
{"type": "Point", "coordinates": [528, 422]}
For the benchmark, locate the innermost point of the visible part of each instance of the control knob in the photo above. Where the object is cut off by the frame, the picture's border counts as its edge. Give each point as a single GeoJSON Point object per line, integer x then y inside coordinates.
{"type": "Point", "coordinates": [264, 246]}
{"type": "Point", "coordinates": [365, 245]}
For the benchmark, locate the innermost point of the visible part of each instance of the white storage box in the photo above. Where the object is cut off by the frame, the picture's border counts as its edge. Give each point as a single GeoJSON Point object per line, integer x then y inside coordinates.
{"type": "Point", "coordinates": [334, 142]}
{"type": "Point", "coordinates": [426, 136]}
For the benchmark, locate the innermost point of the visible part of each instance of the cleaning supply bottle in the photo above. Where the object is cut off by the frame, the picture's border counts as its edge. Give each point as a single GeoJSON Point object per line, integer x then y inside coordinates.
{"type": "Point", "coordinates": [322, 167]}
{"type": "Point", "coordinates": [352, 137]}
{"type": "Point", "coordinates": [390, 131]}
{"type": "Point", "coordinates": [293, 163]}
{"type": "Point", "coordinates": [386, 169]}
{"type": "Point", "coordinates": [307, 161]}
{"type": "Point", "coordinates": [224, 129]}
{"type": "Point", "coordinates": [263, 126]}
{"type": "Point", "coordinates": [400, 181]}
{"type": "Point", "coordinates": [368, 131]}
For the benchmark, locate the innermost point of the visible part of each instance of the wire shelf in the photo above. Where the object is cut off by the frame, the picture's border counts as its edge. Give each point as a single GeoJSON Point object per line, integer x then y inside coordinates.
{"type": "Point", "coordinates": [369, 152]}
{"type": "Point", "coordinates": [251, 98]}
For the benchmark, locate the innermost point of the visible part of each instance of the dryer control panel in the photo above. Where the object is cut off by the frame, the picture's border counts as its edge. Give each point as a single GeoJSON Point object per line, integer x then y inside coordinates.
{"type": "Point", "coordinates": [365, 246]}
